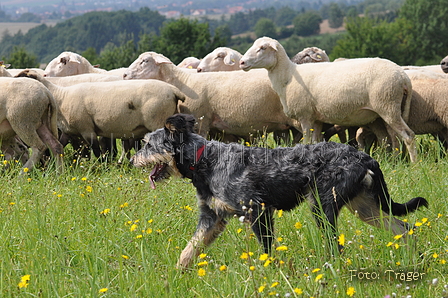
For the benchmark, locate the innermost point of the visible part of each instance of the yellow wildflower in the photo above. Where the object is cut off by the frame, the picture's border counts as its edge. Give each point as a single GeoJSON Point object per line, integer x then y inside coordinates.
{"type": "Point", "coordinates": [281, 248]}
{"type": "Point", "coordinates": [351, 291]}
{"type": "Point", "coordinates": [202, 256]}
{"type": "Point", "coordinates": [103, 290]}
{"type": "Point", "coordinates": [133, 227]}
{"type": "Point", "coordinates": [435, 255]}
{"type": "Point", "coordinates": [341, 239]}
{"type": "Point", "coordinates": [261, 288]}
{"type": "Point", "coordinates": [316, 270]}
{"type": "Point", "coordinates": [396, 237]}
{"type": "Point", "coordinates": [105, 211]}
{"type": "Point", "coordinates": [266, 264]}
{"type": "Point", "coordinates": [203, 263]}
{"type": "Point", "coordinates": [125, 257]}
{"type": "Point", "coordinates": [280, 213]}
{"type": "Point", "coordinates": [252, 268]}
{"type": "Point", "coordinates": [25, 170]}
{"type": "Point", "coordinates": [263, 257]}
{"type": "Point", "coordinates": [274, 284]}
{"type": "Point", "coordinates": [83, 178]}
{"type": "Point", "coordinates": [319, 277]}
{"type": "Point", "coordinates": [298, 225]}
{"type": "Point", "coordinates": [89, 188]}
{"type": "Point", "coordinates": [298, 291]}
{"type": "Point", "coordinates": [201, 272]}
{"type": "Point", "coordinates": [24, 281]}
{"type": "Point", "coordinates": [223, 268]}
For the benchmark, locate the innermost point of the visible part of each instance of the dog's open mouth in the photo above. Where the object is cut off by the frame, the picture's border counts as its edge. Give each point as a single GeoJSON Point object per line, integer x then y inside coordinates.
{"type": "Point", "coordinates": [157, 174]}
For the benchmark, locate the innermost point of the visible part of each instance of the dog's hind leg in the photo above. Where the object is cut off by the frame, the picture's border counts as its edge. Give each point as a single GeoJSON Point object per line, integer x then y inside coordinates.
{"type": "Point", "coordinates": [326, 218]}
{"type": "Point", "coordinates": [367, 209]}
{"type": "Point", "coordinates": [262, 223]}
{"type": "Point", "coordinates": [208, 229]}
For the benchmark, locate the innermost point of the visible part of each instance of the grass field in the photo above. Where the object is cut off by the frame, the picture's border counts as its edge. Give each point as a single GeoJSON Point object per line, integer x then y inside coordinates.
{"type": "Point", "coordinates": [99, 230]}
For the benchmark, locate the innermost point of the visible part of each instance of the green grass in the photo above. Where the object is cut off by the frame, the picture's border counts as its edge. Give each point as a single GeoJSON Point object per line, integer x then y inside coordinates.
{"type": "Point", "coordinates": [101, 226]}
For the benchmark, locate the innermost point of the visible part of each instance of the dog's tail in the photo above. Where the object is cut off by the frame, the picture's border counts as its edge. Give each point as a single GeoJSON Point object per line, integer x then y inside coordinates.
{"type": "Point", "coordinates": [388, 205]}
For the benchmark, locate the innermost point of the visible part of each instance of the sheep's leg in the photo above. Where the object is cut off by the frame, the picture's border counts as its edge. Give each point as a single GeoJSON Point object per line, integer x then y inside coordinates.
{"type": "Point", "coordinates": [317, 132]}
{"type": "Point", "coordinates": [53, 143]}
{"type": "Point", "coordinates": [307, 130]}
{"type": "Point", "coordinates": [401, 128]}
{"type": "Point", "coordinates": [92, 140]}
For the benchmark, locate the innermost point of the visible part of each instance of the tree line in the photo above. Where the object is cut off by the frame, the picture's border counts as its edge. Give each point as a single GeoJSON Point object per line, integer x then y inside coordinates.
{"type": "Point", "coordinates": [404, 31]}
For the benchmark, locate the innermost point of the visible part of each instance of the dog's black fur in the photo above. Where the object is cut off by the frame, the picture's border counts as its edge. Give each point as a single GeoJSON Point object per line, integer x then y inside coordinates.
{"type": "Point", "coordinates": [250, 182]}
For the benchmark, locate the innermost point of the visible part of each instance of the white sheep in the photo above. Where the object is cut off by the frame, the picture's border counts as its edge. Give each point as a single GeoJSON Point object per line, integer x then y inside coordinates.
{"type": "Point", "coordinates": [429, 108]}
{"type": "Point", "coordinates": [235, 102]}
{"type": "Point", "coordinates": [310, 55]}
{"type": "Point", "coordinates": [16, 71]}
{"type": "Point", "coordinates": [69, 64]}
{"type": "Point", "coordinates": [82, 78]}
{"type": "Point", "coordinates": [115, 109]}
{"type": "Point", "coordinates": [434, 68]}
{"type": "Point", "coordinates": [28, 110]}
{"type": "Point", "coordinates": [3, 71]}
{"type": "Point", "coordinates": [221, 59]}
{"type": "Point", "coordinates": [189, 62]}
{"type": "Point", "coordinates": [444, 64]}
{"type": "Point", "coordinates": [353, 92]}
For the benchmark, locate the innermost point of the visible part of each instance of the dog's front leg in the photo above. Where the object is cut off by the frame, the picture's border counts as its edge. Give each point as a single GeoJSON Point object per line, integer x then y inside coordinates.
{"type": "Point", "coordinates": [208, 229]}
{"type": "Point", "coordinates": [263, 226]}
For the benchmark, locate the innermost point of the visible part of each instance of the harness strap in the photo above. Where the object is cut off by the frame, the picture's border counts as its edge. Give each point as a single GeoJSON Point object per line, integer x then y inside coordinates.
{"type": "Point", "coordinates": [198, 156]}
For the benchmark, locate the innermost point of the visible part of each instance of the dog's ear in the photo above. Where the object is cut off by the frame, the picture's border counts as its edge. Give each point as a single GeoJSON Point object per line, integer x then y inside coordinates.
{"type": "Point", "coordinates": [180, 123]}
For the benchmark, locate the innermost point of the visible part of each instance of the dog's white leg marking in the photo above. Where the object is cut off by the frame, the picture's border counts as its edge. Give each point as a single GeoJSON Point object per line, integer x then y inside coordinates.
{"type": "Point", "coordinates": [368, 211]}
{"type": "Point", "coordinates": [209, 228]}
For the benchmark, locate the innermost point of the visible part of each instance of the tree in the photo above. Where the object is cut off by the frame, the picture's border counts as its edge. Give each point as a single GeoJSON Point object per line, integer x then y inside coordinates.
{"type": "Point", "coordinates": [307, 23]}
{"type": "Point", "coordinates": [265, 27]}
{"type": "Point", "coordinates": [183, 38]}
{"type": "Point", "coordinates": [426, 25]}
{"type": "Point", "coordinates": [20, 58]}
{"type": "Point", "coordinates": [369, 37]}
{"type": "Point", "coordinates": [335, 16]}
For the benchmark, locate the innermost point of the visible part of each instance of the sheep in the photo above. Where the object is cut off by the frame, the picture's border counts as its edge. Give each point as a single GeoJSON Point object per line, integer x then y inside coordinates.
{"type": "Point", "coordinates": [3, 71]}
{"type": "Point", "coordinates": [353, 92]}
{"type": "Point", "coordinates": [69, 64]}
{"type": "Point", "coordinates": [221, 59]}
{"type": "Point", "coordinates": [444, 64]}
{"type": "Point", "coordinates": [115, 109]}
{"type": "Point", "coordinates": [217, 98]}
{"type": "Point", "coordinates": [189, 62]}
{"type": "Point", "coordinates": [16, 71]}
{"type": "Point", "coordinates": [82, 78]}
{"type": "Point", "coordinates": [310, 55]}
{"type": "Point", "coordinates": [28, 110]}
{"type": "Point", "coordinates": [429, 108]}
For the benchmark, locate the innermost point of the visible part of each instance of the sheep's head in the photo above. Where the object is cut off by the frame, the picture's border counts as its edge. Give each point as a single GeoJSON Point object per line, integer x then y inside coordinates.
{"type": "Point", "coordinates": [310, 55]}
{"type": "Point", "coordinates": [66, 64]}
{"type": "Point", "coordinates": [262, 54]}
{"type": "Point", "coordinates": [221, 59]}
{"type": "Point", "coordinates": [444, 64]}
{"type": "Point", "coordinates": [146, 66]}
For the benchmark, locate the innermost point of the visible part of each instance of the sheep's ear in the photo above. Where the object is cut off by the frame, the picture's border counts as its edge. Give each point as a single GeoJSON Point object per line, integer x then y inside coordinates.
{"type": "Point", "coordinates": [273, 44]}
{"type": "Point", "coordinates": [159, 59]}
{"type": "Point", "coordinates": [74, 58]}
{"type": "Point", "coordinates": [230, 58]}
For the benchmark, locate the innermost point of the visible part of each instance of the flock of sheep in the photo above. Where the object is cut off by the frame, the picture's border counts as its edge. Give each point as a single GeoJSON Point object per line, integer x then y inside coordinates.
{"type": "Point", "coordinates": [73, 101]}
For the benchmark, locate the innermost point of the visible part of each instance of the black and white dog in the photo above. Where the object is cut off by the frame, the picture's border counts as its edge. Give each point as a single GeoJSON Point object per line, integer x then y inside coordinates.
{"type": "Point", "coordinates": [250, 183]}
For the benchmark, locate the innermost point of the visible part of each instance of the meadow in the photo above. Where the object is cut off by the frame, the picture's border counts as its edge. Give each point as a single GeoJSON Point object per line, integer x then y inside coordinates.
{"type": "Point", "coordinates": [99, 230]}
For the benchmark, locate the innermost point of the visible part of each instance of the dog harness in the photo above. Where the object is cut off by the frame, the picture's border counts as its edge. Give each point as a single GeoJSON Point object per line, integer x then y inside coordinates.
{"type": "Point", "coordinates": [198, 156]}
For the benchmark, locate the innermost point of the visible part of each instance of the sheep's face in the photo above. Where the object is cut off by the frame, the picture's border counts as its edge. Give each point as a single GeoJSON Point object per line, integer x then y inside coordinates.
{"type": "Point", "coordinates": [262, 54]}
{"type": "Point", "coordinates": [221, 59]}
{"type": "Point", "coordinates": [66, 64]}
{"type": "Point", "coordinates": [146, 66]}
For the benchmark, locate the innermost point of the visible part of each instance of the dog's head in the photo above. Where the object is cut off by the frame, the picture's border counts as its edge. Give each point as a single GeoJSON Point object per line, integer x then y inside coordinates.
{"type": "Point", "coordinates": [161, 145]}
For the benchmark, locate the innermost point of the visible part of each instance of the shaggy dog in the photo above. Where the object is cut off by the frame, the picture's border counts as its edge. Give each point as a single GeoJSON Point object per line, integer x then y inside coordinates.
{"type": "Point", "coordinates": [250, 183]}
